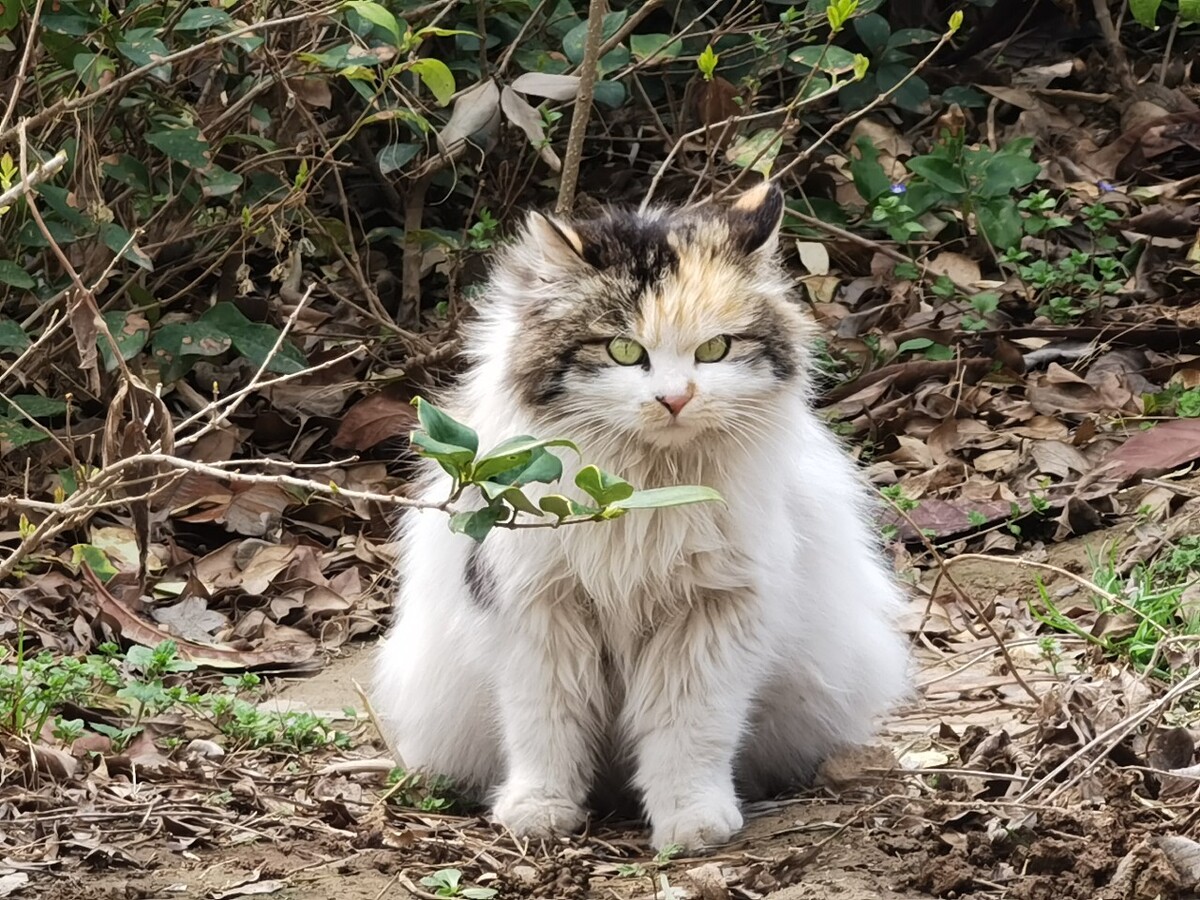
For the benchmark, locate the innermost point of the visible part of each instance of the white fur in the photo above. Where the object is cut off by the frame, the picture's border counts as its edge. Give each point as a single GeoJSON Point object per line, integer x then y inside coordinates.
{"type": "Point", "coordinates": [701, 651]}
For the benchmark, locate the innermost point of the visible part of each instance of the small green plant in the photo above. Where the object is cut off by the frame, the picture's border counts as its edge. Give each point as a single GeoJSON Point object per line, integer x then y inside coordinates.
{"type": "Point", "coordinates": [448, 883]}
{"type": "Point", "coordinates": [1070, 287]}
{"type": "Point", "coordinates": [501, 475]}
{"type": "Point", "coordinates": [1174, 400]}
{"type": "Point", "coordinates": [412, 790]}
{"type": "Point", "coordinates": [34, 688]}
{"type": "Point", "coordinates": [975, 182]}
{"type": "Point", "coordinates": [1151, 594]}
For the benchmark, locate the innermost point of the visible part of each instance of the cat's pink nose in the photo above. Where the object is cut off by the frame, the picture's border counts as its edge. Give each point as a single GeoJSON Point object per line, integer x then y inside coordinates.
{"type": "Point", "coordinates": [675, 402]}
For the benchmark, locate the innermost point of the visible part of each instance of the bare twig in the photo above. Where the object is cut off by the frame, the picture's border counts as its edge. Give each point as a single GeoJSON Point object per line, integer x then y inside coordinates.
{"type": "Point", "coordinates": [37, 175]}
{"type": "Point", "coordinates": [583, 107]}
{"type": "Point", "coordinates": [69, 104]}
{"type": "Point", "coordinates": [19, 80]}
{"type": "Point", "coordinates": [1116, 51]}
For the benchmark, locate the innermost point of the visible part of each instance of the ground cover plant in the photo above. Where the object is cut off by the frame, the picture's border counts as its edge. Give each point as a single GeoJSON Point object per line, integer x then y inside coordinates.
{"type": "Point", "coordinates": [237, 243]}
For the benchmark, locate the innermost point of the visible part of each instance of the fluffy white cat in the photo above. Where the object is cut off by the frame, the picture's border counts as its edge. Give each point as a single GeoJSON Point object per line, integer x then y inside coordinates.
{"type": "Point", "coordinates": [698, 655]}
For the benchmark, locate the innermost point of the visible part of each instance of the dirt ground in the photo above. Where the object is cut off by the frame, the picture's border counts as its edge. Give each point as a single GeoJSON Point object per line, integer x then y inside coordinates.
{"type": "Point", "coordinates": [933, 827]}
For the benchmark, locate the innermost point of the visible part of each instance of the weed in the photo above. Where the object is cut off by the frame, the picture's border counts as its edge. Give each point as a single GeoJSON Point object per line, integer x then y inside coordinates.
{"type": "Point", "coordinates": [448, 883]}
{"type": "Point", "coordinates": [414, 791]}
{"type": "Point", "coordinates": [34, 687]}
{"type": "Point", "coordinates": [1152, 597]}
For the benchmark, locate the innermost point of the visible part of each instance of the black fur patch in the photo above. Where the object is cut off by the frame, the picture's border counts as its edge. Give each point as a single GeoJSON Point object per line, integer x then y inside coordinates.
{"type": "Point", "coordinates": [633, 248]}
{"type": "Point", "coordinates": [750, 229]}
{"type": "Point", "coordinates": [481, 586]}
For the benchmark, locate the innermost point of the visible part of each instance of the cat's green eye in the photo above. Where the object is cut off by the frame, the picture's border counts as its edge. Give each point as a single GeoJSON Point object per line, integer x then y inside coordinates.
{"type": "Point", "coordinates": [626, 352]}
{"type": "Point", "coordinates": [713, 350]}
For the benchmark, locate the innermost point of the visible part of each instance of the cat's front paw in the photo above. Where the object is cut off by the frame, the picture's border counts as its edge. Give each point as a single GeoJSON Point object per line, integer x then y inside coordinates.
{"type": "Point", "coordinates": [704, 823]}
{"type": "Point", "coordinates": [535, 813]}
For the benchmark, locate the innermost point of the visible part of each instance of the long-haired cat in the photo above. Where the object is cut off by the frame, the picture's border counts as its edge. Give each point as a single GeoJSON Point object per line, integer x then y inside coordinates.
{"type": "Point", "coordinates": [697, 654]}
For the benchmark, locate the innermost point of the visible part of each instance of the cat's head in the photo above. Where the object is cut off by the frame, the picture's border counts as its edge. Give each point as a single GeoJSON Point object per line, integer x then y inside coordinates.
{"type": "Point", "coordinates": [663, 326]}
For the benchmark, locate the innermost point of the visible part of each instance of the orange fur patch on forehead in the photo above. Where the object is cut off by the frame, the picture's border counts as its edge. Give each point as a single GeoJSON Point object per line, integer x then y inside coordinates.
{"type": "Point", "coordinates": [705, 297]}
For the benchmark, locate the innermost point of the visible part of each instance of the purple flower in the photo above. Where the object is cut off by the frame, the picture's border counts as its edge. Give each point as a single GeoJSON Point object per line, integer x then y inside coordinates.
{"type": "Point", "coordinates": [901, 189]}
{"type": "Point", "coordinates": [1105, 187]}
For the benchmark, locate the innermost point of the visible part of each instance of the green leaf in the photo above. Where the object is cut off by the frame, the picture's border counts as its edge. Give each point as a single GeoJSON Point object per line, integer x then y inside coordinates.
{"type": "Point", "coordinates": [14, 275]}
{"type": "Point", "coordinates": [514, 454]}
{"type": "Point", "coordinates": [826, 59]}
{"type": "Point", "coordinates": [441, 427]}
{"type": "Point", "coordinates": [436, 76]}
{"type": "Point", "coordinates": [656, 47]}
{"type": "Point", "coordinates": [513, 496]}
{"type": "Point", "coordinates": [18, 434]}
{"type": "Point", "coordinates": [910, 37]}
{"type": "Point", "coordinates": [707, 63]}
{"type": "Point", "coordinates": [544, 467]}
{"type": "Point", "coordinates": [477, 524]}
{"type": "Point", "coordinates": [914, 344]}
{"type": "Point", "coordinates": [254, 340]}
{"type": "Point", "coordinates": [95, 559]}
{"type": "Point", "coordinates": [757, 152]}
{"type": "Point", "coordinates": [605, 489]}
{"type": "Point", "coordinates": [940, 352]}
{"type": "Point", "coordinates": [1006, 172]}
{"type": "Point", "coordinates": [12, 336]}
{"type": "Point", "coordinates": [1146, 11]}
{"type": "Point", "coordinates": [1189, 10]}
{"type": "Point", "coordinates": [562, 507]}
{"type": "Point", "coordinates": [940, 172]}
{"type": "Point", "coordinates": [129, 329]}
{"type": "Point", "coordinates": [178, 344]}
{"type": "Point", "coordinates": [575, 38]}
{"type": "Point", "coordinates": [183, 145]}
{"type": "Point", "coordinates": [201, 17]}
{"type": "Point", "coordinates": [1000, 222]}
{"type": "Point", "coordinates": [395, 157]}
{"type": "Point", "coordinates": [454, 459]}
{"type": "Point", "coordinates": [38, 407]}
{"type": "Point", "coordinates": [142, 47]}
{"type": "Point", "coordinates": [377, 14]}
{"type": "Point", "coordinates": [92, 67]}
{"type": "Point", "coordinates": [219, 182]}
{"type": "Point", "coordinates": [118, 240]}
{"type": "Point", "coordinates": [874, 31]}
{"type": "Point", "coordinates": [677, 495]}
{"type": "Point", "coordinates": [870, 180]}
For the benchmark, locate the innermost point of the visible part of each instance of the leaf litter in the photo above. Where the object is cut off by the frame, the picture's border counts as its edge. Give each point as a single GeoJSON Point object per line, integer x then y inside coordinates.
{"type": "Point", "coordinates": [1018, 435]}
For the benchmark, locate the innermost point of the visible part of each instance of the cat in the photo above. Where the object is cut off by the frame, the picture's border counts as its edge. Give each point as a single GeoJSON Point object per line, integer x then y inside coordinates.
{"type": "Point", "coordinates": [698, 655]}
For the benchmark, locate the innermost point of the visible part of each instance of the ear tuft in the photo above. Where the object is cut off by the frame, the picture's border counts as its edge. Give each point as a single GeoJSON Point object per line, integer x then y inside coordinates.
{"type": "Point", "coordinates": [559, 243]}
{"type": "Point", "coordinates": [755, 217]}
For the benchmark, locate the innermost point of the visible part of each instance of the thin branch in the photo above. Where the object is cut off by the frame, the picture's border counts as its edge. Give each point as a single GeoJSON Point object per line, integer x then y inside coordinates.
{"type": "Point", "coordinates": [36, 176]}
{"type": "Point", "coordinates": [68, 104]}
{"type": "Point", "coordinates": [583, 107]}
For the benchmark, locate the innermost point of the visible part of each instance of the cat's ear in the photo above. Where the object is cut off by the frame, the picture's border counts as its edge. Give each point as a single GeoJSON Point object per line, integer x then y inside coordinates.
{"type": "Point", "coordinates": [558, 243]}
{"type": "Point", "coordinates": [755, 217]}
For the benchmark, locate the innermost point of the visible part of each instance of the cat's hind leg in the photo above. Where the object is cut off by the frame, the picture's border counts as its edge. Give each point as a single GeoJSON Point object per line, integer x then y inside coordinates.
{"type": "Point", "coordinates": [842, 667]}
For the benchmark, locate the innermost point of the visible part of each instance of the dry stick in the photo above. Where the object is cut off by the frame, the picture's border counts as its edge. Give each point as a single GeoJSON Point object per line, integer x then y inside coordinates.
{"type": "Point", "coordinates": [583, 107]}
{"type": "Point", "coordinates": [1116, 734]}
{"type": "Point", "coordinates": [944, 571]}
{"type": "Point", "coordinates": [1113, 40]}
{"type": "Point", "coordinates": [40, 173]}
{"type": "Point", "coordinates": [705, 129]}
{"type": "Point", "coordinates": [19, 81]}
{"type": "Point", "coordinates": [1114, 599]}
{"type": "Point", "coordinates": [68, 104]}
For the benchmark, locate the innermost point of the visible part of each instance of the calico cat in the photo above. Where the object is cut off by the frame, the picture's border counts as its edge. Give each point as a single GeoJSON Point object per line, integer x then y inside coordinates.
{"type": "Point", "coordinates": [698, 654]}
